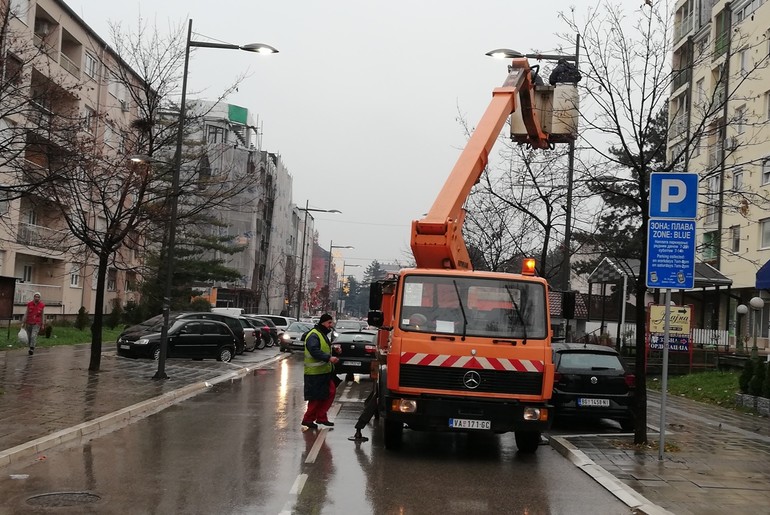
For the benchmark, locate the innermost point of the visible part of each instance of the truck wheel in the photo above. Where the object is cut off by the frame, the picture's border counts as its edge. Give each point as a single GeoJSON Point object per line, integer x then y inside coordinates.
{"type": "Point", "coordinates": [393, 433]}
{"type": "Point", "coordinates": [527, 441]}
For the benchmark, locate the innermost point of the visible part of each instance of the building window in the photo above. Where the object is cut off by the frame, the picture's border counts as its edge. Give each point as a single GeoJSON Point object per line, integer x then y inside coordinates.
{"type": "Point", "coordinates": [19, 8]}
{"type": "Point", "coordinates": [4, 202]}
{"type": "Point", "coordinates": [765, 237]}
{"type": "Point", "coordinates": [91, 66]}
{"type": "Point", "coordinates": [738, 180]}
{"type": "Point", "coordinates": [700, 92]}
{"type": "Point", "coordinates": [112, 281]}
{"type": "Point", "coordinates": [735, 238]}
{"type": "Point", "coordinates": [712, 199]}
{"type": "Point", "coordinates": [743, 56]}
{"type": "Point", "coordinates": [710, 245]}
{"type": "Point", "coordinates": [766, 171]}
{"type": "Point", "coordinates": [89, 120]}
{"type": "Point", "coordinates": [75, 276]}
{"type": "Point", "coordinates": [740, 119]}
{"type": "Point", "coordinates": [109, 135]}
{"type": "Point", "coordinates": [216, 134]}
{"type": "Point", "coordinates": [26, 274]}
{"type": "Point", "coordinates": [13, 69]}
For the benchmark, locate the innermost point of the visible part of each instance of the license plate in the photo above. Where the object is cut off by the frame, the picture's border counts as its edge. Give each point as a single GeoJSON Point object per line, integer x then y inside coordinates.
{"type": "Point", "coordinates": [127, 347]}
{"type": "Point", "coordinates": [351, 363]}
{"type": "Point", "coordinates": [594, 403]}
{"type": "Point", "coordinates": [466, 423]}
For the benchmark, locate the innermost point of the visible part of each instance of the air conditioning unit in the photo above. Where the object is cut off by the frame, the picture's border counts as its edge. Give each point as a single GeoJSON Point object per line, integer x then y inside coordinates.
{"type": "Point", "coordinates": [124, 106]}
{"type": "Point", "coordinates": [731, 143]}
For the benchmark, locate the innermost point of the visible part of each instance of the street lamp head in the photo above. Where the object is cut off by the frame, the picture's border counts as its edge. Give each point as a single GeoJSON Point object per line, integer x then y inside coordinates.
{"type": "Point", "coordinates": [757, 303]}
{"type": "Point", "coordinates": [742, 309]}
{"type": "Point", "coordinates": [259, 48]}
{"type": "Point", "coordinates": [504, 53]}
{"type": "Point", "coordinates": [139, 158]}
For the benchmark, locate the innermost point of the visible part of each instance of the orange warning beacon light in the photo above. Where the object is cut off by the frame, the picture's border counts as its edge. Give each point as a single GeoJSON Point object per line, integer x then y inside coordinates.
{"type": "Point", "coordinates": [528, 266]}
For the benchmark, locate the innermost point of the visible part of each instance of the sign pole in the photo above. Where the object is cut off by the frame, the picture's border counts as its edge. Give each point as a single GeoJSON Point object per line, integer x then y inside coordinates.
{"type": "Point", "coordinates": [664, 378]}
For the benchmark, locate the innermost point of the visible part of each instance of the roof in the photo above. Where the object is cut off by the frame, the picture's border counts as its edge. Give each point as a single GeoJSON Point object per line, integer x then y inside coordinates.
{"type": "Point", "coordinates": [612, 270]}
{"type": "Point", "coordinates": [581, 307]}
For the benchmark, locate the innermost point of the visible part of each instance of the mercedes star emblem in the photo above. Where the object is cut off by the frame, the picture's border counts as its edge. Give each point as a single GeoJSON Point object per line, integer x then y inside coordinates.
{"type": "Point", "coordinates": [472, 380]}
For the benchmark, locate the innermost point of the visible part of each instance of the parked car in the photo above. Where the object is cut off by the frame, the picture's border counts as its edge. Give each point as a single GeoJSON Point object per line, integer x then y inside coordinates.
{"type": "Point", "coordinates": [350, 325]}
{"type": "Point", "coordinates": [265, 330]}
{"type": "Point", "coordinates": [232, 322]}
{"type": "Point", "coordinates": [592, 382]}
{"type": "Point", "coordinates": [251, 335]}
{"type": "Point", "coordinates": [187, 338]}
{"type": "Point", "coordinates": [291, 338]}
{"type": "Point", "coordinates": [280, 321]}
{"type": "Point", "coordinates": [155, 324]}
{"type": "Point", "coordinates": [274, 331]}
{"type": "Point", "coordinates": [356, 350]}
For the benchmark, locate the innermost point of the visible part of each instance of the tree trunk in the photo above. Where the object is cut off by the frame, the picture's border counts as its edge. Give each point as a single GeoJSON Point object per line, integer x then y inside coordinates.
{"type": "Point", "coordinates": [640, 408]}
{"type": "Point", "coordinates": [96, 326]}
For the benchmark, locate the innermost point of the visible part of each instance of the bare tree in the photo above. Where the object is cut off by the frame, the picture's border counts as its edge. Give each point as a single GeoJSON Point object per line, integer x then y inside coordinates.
{"type": "Point", "coordinates": [626, 121]}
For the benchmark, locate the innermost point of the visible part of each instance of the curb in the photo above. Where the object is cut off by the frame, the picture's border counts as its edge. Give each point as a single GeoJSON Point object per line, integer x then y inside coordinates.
{"type": "Point", "coordinates": [123, 417]}
{"type": "Point", "coordinates": [623, 492]}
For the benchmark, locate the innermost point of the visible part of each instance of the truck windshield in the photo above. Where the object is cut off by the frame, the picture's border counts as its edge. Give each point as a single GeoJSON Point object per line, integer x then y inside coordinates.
{"type": "Point", "coordinates": [435, 304]}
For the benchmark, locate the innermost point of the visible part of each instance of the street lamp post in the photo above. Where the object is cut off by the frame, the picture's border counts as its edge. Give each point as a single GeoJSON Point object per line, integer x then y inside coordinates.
{"type": "Point", "coordinates": [565, 269]}
{"type": "Point", "coordinates": [756, 303]}
{"type": "Point", "coordinates": [342, 283]}
{"type": "Point", "coordinates": [306, 209]}
{"type": "Point", "coordinates": [332, 246]}
{"type": "Point", "coordinates": [171, 241]}
{"type": "Point", "coordinates": [742, 310]}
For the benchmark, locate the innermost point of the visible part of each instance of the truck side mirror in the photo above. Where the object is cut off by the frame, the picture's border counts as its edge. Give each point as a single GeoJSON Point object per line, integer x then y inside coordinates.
{"type": "Point", "coordinates": [375, 296]}
{"type": "Point", "coordinates": [375, 318]}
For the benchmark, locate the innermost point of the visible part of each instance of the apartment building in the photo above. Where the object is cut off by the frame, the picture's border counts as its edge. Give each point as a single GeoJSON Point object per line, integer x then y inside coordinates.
{"type": "Point", "coordinates": [720, 128]}
{"type": "Point", "coordinates": [259, 216]}
{"type": "Point", "coordinates": [64, 95]}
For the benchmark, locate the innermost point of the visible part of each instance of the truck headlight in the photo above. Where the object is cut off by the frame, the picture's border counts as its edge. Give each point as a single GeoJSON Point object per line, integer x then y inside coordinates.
{"type": "Point", "coordinates": [535, 414]}
{"type": "Point", "coordinates": [404, 405]}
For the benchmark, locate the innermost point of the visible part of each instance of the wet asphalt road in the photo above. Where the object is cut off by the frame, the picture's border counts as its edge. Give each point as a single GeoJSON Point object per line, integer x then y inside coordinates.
{"type": "Point", "coordinates": [238, 448]}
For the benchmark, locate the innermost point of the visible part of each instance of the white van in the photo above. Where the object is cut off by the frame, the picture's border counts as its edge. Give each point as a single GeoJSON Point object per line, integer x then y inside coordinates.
{"type": "Point", "coordinates": [236, 312]}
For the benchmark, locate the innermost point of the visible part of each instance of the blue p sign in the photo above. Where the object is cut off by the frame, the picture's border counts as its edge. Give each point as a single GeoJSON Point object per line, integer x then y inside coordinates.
{"type": "Point", "coordinates": [673, 195]}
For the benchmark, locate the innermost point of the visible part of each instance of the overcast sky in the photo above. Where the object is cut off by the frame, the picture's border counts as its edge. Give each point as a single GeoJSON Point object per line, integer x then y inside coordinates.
{"type": "Point", "coordinates": [363, 99]}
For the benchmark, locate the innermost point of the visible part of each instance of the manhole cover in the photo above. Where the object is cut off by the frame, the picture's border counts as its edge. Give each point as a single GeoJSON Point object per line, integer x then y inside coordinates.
{"type": "Point", "coordinates": [62, 499]}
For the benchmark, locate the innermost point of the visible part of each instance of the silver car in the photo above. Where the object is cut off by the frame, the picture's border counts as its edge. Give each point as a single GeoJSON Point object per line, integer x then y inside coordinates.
{"type": "Point", "coordinates": [291, 338]}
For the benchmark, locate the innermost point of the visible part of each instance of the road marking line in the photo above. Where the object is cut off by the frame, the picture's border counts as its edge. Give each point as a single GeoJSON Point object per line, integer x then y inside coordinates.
{"type": "Point", "coordinates": [313, 454]}
{"type": "Point", "coordinates": [296, 489]}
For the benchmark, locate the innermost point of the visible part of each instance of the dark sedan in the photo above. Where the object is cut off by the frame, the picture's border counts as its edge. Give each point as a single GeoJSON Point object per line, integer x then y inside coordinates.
{"type": "Point", "coordinates": [187, 338]}
{"type": "Point", "coordinates": [356, 350]}
{"type": "Point", "coordinates": [592, 382]}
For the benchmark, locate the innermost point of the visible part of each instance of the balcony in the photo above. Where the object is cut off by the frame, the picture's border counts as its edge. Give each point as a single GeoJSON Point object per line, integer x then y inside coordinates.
{"type": "Point", "coordinates": [50, 295]}
{"type": "Point", "coordinates": [45, 47]}
{"type": "Point", "coordinates": [679, 125]}
{"type": "Point", "coordinates": [70, 66]}
{"type": "Point", "coordinates": [684, 28]}
{"type": "Point", "coordinates": [716, 155]}
{"type": "Point", "coordinates": [39, 236]}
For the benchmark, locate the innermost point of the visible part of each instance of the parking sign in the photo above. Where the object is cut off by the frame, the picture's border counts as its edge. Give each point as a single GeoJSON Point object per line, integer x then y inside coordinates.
{"type": "Point", "coordinates": [674, 195]}
{"type": "Point", "coordinates": [671, 230]}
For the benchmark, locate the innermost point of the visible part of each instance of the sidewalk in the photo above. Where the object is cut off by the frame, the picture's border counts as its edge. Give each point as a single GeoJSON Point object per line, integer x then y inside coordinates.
{"type": "Point", "coordinates": [722, 464]}
{"type": "Point", "coordinates": [51, 398]}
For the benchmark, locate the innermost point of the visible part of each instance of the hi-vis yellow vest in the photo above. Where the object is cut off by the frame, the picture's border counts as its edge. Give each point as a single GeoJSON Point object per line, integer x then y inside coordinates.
{"type": "Point", "coordinates": [312, 365]}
